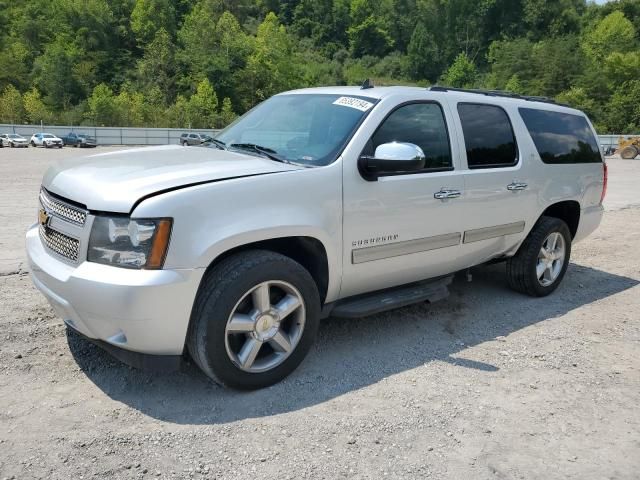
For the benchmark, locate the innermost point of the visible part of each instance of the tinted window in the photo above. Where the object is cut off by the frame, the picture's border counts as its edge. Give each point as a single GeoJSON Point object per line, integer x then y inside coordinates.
{"type": "Point", "coordinates": [561, 137]}
{"type": "Point", "coordinates": [422, 124]}
{"type": "Point", "coordinates": [488, 136]}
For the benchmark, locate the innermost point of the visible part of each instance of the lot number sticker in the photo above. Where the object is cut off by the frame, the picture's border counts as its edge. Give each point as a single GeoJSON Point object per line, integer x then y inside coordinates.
{"type": "Point", "coordinates": [352, 102]}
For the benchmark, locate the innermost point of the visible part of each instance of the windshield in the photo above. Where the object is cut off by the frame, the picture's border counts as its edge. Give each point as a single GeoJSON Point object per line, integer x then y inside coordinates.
{"type": "Point", "coordinates": [13, 135]}
{"type": "Point", "coordinates": [46, 135]}
{"type": "Point", "coordinates": [309, 129]}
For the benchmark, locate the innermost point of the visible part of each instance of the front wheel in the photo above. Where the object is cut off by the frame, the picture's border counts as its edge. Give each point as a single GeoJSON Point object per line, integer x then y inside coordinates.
{"type": "Point", "coordinates": [254, 320]}
{"type": "Point", "coordinates": [542, 260]}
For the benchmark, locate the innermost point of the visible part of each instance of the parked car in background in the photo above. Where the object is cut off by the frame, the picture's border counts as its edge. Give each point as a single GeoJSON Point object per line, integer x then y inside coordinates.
{"type": "Point", "coordinates": [46, 140]}
{"type": "Point", "coordinates": [13, 140]}
{"type": "Point", "coordinates": [79, 140]}
{"type": "Point", "coordinates": [193, 138]}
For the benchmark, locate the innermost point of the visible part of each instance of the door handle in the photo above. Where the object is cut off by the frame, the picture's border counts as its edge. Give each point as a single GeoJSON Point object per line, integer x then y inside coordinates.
{"type": "Point", "coordinates": [516, 186]}
{"type": "Point", "coordinates": [445, 194]}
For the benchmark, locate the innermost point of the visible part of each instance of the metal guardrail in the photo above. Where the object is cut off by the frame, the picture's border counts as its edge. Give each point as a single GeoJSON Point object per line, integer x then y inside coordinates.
{"type": "Point", "coordinates": [159, 136]}
{"type": "Point", "coordinates": [109, 135]}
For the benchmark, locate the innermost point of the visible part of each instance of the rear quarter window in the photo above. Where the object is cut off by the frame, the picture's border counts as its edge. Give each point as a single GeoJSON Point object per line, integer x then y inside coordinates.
{"type": "Point", "coordinates": [561, 138]}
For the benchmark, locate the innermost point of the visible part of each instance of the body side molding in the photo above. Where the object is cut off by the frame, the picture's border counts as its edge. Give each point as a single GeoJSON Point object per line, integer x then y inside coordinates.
{"type": "Point", "coordinates": [380, 252]}
{"type": "Point", "coordinates": [486, 233]}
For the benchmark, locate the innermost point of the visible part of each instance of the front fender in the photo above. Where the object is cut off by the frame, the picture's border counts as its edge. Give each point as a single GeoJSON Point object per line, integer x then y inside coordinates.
{"type": "Point", "coordinates": [214, 218]}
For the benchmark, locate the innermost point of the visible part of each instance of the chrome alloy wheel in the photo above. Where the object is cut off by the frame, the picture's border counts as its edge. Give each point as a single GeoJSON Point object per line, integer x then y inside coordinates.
{"type": "Point", "coordinates": [551, 259]}
{"type": "Point", "coordinates": [265, 326]}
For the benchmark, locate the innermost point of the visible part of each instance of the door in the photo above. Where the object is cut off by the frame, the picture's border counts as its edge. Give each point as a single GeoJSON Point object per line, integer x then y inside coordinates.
{"type": "Point", "coordinates": [403, 227]}
{"type": "Point", "coordinates": [500, 196]}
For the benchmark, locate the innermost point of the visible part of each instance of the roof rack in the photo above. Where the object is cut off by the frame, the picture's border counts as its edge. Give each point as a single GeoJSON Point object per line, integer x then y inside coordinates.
{"type": "Point", "coordinates": [496, 93]}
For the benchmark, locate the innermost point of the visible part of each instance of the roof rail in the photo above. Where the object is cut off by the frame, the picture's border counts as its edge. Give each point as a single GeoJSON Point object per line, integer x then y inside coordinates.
{"type": "Point", "coordinates": [368, 83]}
{"type": "Point", "coordinates": [496, 93]}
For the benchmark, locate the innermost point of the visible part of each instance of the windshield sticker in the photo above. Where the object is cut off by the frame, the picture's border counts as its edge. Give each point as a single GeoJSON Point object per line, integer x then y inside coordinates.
{"type": "Point", "coordinates": [352, 102]}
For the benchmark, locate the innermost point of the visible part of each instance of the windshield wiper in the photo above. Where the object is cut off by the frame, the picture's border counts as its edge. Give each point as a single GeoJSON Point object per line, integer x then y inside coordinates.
{"type": "Point", "coordinates": [218, 143]}
{"type": "Point", "coordinates": [266, 151]}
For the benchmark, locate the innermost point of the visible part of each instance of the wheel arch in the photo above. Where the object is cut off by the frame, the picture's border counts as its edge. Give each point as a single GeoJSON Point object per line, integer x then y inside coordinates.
{"type": "Point", "coordinates": [568, 211]}
{"type": "Point", "coordinates": [309, 252]}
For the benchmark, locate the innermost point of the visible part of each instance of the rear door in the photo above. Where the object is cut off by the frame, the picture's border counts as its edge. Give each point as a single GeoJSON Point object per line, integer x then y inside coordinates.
{"type": "Point", "coordinates": [500, 195]}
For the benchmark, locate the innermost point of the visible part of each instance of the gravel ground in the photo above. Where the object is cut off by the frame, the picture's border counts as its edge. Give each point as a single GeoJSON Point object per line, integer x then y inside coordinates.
{"type": "Point", "coordinates": [486, 384]}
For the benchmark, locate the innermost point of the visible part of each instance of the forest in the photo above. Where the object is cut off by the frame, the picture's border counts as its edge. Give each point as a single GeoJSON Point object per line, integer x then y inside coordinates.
{"type": "Point", "coordinates": [200, 63]}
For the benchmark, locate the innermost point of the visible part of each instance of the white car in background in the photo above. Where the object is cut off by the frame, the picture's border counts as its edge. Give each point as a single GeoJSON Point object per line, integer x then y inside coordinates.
{"type": "Point", "coordinates": [13, 140]}
{"type": "Point", "coordinates": [46, 140]}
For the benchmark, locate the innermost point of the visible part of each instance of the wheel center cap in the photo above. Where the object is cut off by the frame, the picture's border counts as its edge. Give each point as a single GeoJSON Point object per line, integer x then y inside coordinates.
{"type": "Point", "coordinates": [267, 325]}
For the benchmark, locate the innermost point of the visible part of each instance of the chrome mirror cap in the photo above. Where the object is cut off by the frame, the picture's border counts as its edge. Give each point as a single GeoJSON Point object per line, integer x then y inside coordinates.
{"type": "Point", "coordinates": [399, 151]}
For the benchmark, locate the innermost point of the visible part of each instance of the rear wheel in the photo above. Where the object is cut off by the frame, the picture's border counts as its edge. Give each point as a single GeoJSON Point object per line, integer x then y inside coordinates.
{"type": "Point", "coordinates": [542, 260]}
{"type": "Point", "coordinates": [629, 153]}
{"type": "Point", "coordinates": [255, 319]}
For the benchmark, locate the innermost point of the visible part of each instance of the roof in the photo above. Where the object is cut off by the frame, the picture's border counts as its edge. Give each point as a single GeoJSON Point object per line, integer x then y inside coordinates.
{"type": "Point", "coordinates": [497, 96]}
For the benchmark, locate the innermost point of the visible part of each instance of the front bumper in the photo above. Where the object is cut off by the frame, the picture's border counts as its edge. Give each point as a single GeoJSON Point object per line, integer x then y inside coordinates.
{"type": "Point", "coordinates": [144, 311]}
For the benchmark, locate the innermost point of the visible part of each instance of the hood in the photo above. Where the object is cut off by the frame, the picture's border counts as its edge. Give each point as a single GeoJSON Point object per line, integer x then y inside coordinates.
{"type": "Point", "coordinates": [115, 181]}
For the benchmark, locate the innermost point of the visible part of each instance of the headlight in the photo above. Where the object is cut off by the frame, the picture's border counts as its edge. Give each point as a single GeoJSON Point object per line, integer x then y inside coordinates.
{"type": "Point", "coordinates": [127, 243]}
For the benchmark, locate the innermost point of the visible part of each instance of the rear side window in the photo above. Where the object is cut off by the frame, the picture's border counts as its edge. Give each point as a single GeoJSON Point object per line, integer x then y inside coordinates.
{"type": "Point", "coordinates": [422, 124]}
{"type": "Point", "coordinates": [561, 137]}
{"type": "Point", "coordinates": [488, 136]}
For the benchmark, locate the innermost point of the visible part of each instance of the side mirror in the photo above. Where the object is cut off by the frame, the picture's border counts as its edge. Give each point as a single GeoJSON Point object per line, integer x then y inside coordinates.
{"type": "Point", "coordinates": [392, 158]}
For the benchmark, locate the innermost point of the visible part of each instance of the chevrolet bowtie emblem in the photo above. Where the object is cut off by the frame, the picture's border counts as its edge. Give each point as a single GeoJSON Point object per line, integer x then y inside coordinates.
{"type": "Point", "coordinates": [43, 217]}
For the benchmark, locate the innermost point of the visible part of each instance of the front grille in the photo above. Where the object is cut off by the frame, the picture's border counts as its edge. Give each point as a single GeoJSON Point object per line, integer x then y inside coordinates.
{"type": "Point", "coordinates": [62, 209]}
{"type": "Point", "coordinates": [60, 243]}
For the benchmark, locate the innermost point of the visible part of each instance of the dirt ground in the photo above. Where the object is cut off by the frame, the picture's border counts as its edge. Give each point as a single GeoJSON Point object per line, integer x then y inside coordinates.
{"type": "Point", "coordinates": [487, 384]}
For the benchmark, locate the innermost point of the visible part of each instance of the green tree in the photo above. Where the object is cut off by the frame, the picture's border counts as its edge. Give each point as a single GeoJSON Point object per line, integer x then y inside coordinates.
{"type": "Point", "coordinates": [156, 69]}
{"type": "Point", "coordinates": [615, 33]}
{"type": "Point", "coordinates": [424, 54]}
{"type": "Point", "coordinates": [514, 85]}
{"type": "Point", "coordinates": [368, 33]}
{"type": "Point", "coordinates": [269, 68]}
{"type": "Point", "coordinates": [35, 109]}
{"type": "Point", "coordinates": [56, 72]}
{"type": "Point", "coordinates": [462, 73]}
{"type": "Point", "coordinates": [202, 106]}
{"type": "Point", "coordinates": [15, 64]}
{"type": "Point", "coordinates": [178, 113]}
{"type": "Point", "coordinates": [11, 107]}
{"type": "Point", "coordinates": [622, 111]}
{"type": "Point", "coordinates": [149, 16]}
{"type": "Point", "coordinates": [103, 109]}
{"type": "Point", "coordinates": [227, 115]}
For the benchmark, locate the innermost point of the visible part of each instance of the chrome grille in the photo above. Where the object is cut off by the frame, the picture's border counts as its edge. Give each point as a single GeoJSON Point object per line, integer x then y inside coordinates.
{"type": "Point", "coordinates": [60, 243]}
{"type": "Point", "coordinates": [61, 209]}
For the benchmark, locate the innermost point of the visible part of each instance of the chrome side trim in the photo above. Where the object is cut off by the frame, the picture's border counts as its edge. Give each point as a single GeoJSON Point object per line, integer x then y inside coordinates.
{"type": "Point", "coordinates": [370, 254]}
{"type": "Point", "coordinates": [480, 234]}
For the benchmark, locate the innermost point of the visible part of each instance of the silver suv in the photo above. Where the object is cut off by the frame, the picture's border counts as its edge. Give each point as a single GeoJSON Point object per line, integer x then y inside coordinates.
{"type": "Point", "coordinates": [321, 202]}
{"type": "Point", "coordinates": [187, 139]}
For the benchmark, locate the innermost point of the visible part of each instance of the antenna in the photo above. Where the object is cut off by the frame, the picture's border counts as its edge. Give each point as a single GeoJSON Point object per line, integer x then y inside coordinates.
{"type": "Point", "coordinates": [367, 84]}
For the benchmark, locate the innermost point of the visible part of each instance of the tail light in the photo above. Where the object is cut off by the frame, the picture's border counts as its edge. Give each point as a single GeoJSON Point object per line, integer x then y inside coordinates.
{"type": "Point", "coordinates": [605, 179]}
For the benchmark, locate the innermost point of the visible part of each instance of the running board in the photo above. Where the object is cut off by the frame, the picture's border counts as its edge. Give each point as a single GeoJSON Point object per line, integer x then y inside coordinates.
{"type": "Point", "coordinates": [392, 298]}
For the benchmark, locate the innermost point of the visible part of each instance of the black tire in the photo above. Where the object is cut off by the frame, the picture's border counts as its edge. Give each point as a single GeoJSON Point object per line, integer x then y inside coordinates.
{"type": "Point", "coordinates": [220, 291]}
{"type": "Point", "coordinates": [185, 144]}
{"type": "Point", "coordinates": [33, 144]}
{"type": "Point", "coordinates": [521, 268]}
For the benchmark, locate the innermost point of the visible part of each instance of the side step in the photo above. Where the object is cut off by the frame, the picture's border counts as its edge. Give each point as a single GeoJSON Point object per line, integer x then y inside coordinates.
{"type": "Point", "coordinates": [392, 298]}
